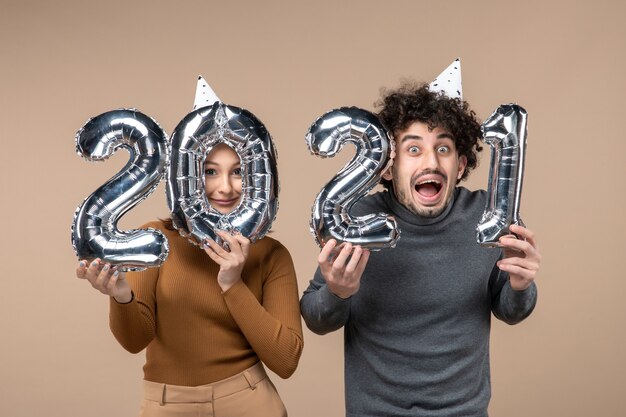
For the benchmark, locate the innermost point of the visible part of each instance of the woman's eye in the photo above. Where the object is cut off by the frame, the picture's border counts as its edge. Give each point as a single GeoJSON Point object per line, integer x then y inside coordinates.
{"type": "Point", "coordinates": [237, 171]}
{"type": "Point", "coordinates": [209, 171]}
{"type": "Point", "coordinates": [414, 149]}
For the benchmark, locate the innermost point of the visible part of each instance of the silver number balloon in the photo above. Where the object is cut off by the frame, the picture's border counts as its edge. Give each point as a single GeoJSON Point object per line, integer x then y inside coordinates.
{"type": "Point", "coordinates": [94, 230]}
{"type": "Point", "coordinates": [194, 137]}
{"type": "Point", "coordinates": [505, 132]}
{"type": "Point", "coordinates": [331, 217]}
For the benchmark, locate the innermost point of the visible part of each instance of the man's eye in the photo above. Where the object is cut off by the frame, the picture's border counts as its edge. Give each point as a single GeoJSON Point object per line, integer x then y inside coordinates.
{"type": "Point", "coordinates": [414, 149]}
{"type": "Point", "coordinates": [237, 171]}
{"type": "Point", "coordinates": [209, 171]}
{"type": "Point", "coordinates": [443, 149]}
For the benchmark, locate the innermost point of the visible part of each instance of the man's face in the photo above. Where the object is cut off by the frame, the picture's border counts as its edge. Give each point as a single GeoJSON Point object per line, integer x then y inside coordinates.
{"type": "Point", "coordinates": [426, 169]}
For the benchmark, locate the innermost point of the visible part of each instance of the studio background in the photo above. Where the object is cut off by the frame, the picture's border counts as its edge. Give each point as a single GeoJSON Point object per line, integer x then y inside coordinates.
{"type": "Point", "coordinates": [289, 62]}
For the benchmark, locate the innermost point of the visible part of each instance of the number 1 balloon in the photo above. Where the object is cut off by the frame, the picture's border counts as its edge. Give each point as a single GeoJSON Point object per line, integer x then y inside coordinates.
{"type": "Point", "coordinates": [505, 132]}
{"type": "Point", "coordinates": [331, 217]}
{"type": "Point", "coordinates": [94, 230]}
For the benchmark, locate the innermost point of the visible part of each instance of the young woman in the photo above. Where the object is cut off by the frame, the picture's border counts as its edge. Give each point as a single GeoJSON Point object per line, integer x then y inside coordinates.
{"type": "Point", "coordinates": [209, 317]}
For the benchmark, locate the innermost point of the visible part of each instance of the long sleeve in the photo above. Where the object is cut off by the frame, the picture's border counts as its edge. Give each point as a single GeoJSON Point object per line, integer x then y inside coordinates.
{"type": "Point", "coordinates": [196, 334]}
{"type": "Point", "coordinates": [133, 324]}
{"type": "Point", "coordinates": [273, 327]}
{"type": "Point", "coordinates": [323, 311]}
{"type": "Point", "coordinates": [507, 304]}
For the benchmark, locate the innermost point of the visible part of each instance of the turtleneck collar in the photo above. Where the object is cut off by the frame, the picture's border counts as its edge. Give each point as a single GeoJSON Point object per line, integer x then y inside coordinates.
{"type": "Point", "coordinates": [407, 216]}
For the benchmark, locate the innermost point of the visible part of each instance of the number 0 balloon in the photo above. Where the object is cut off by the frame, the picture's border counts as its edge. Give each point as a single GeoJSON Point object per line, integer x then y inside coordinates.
{"type": "Point", "coordinates": [94, 230]}
{"type": "Point", "coordinates": [505, 132]}
{"type": "Point", "coordinates": [193, 139]}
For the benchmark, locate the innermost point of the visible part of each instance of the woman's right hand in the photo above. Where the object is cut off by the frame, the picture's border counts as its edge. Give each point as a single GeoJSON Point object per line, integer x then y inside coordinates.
{"type": "Point", "coordinates": [105, 279]}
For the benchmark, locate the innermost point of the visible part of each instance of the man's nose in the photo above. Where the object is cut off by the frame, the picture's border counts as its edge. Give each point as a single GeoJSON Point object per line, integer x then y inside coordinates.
{"type": "Point", "coordinates": [431, 159]}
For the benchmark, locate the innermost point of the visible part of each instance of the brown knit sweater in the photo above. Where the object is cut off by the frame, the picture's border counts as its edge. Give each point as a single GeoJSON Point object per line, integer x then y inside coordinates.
{"type": "Point", "coordinates": [196, 334]}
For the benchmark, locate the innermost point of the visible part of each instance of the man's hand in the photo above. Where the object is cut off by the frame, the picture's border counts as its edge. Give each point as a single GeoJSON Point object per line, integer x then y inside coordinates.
{"type": "Point", "coordinates": [521, 257]}
{"type": "Point", "coordinates": [342, 276]}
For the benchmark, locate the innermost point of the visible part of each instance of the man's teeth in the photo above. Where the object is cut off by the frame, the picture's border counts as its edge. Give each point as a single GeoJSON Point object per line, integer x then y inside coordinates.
{"type": "Point", "coordinates": [429, 182]}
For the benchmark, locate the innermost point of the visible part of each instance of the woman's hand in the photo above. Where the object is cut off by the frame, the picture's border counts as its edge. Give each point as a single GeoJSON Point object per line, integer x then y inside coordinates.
{"type": "Point", "coordinates": [105, 279]}
{"type": "Point", "coordinates": [231, 262]}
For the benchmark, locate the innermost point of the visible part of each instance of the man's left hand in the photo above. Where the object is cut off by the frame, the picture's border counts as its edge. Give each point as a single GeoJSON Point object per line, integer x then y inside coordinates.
{"type": "Point", "coordinates": [521, 257]}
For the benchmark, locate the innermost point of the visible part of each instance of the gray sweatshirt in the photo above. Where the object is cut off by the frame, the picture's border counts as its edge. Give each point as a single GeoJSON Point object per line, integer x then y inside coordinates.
{"type": "Point", "coordinates": [417, 332]}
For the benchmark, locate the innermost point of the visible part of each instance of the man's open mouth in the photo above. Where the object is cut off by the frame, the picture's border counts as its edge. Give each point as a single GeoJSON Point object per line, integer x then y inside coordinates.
{"type": "Point", "coordinates": [428, 188]}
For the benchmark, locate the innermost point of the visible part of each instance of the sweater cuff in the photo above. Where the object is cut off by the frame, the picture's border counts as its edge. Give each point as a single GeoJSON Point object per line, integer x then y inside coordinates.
{"type": "Point", "coordinates": [132, 298]}
{"type": "Point", "coordinates": [530, 292]}
{"type": "Point", "coordinates": [521, 303]}
{"type": "Point", "coordinates": [234, 289]}
{"type": "Point", "coordinates": [332, 300]}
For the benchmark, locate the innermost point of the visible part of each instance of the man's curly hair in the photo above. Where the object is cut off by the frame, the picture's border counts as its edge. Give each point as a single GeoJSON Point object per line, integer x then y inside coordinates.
{"type": "Point", "coordinates": [413, 102]}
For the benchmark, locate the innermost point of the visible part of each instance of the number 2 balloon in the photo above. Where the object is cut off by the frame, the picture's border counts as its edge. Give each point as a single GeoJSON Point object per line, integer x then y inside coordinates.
{"type": "Point", "coordinates": [330, 218]}
{"type": "Point", "coordinates": [94, 230]}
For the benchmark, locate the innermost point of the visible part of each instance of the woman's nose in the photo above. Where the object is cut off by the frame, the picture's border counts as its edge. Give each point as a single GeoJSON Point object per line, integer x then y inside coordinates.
{"type": "Point", "coordinates": [225, 185]}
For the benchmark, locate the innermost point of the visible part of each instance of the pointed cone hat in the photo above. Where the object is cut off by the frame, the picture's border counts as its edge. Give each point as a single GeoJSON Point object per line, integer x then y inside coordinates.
{"type": "Point", "coordinates": [449, 81]}
{"type": "Point", "coordinates": [205, 96]}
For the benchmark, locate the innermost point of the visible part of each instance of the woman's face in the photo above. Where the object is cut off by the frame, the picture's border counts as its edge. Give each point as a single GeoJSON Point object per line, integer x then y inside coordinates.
{"type": "Point", "coordinates": [222, 178]}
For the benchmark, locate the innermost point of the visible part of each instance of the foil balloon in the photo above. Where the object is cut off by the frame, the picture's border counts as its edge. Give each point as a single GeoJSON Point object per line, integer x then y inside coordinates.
{"type": "Point", "coordinates": [505, 132]}
{"type": "Point", "coordinates": [331, 217]}
{"type": "Point", "coordinates": [94, 230]}
{"type": "Point", "coordinates": [193, 139]}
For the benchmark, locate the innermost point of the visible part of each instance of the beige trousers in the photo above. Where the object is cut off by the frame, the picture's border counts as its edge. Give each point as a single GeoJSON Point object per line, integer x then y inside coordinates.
{"type": "Point", "coordinates": [250, 393]}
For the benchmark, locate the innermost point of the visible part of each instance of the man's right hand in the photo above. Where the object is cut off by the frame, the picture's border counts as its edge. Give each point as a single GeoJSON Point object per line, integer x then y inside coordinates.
{"type": "Point", "coordinates": [342, 267]}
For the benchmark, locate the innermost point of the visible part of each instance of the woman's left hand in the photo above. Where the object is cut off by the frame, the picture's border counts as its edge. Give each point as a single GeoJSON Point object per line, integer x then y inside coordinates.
{"type": "Point", "coordinates": [230, 262]}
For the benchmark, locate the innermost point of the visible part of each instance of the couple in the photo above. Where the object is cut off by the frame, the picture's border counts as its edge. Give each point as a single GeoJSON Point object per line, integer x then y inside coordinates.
{"type": "Point", "coordinates": [416, 318]}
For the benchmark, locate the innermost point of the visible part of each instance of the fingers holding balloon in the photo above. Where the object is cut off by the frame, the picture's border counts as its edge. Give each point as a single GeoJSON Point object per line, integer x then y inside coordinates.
{"type": "Point", "coordinates": [523, 233]}
{"type": "Point", "coordinates": [235, 250]}
{"type": "Point", "coordinates": [515, 263]}
{"type": "Point", "coordinates": [92, 271]}
{"type": "Point", "coordinates": [358, 260]}
{"type": "Point", "coordinates": [237, 243]}
{"type": "Point", "coordinates": [215, 251]}
{"type": "Point", "coordinates": [103, 277]}
{"type": "Point", "coordinates": [81, 269]}
{"type": "Point", "coordinates": [339, 263]}
{"type": "Point", "coordinates": [103, 280]}
{"type": "Point", "coordinates": [523, 244]}
{"type": "Point", "coordinates": [522, 272]}
{"type": "Point", "coordinates": [521, 257]}
{"type": "Point", "coordinates": [326, 255]}
{"type": "Point", "coordinates": [342, 267]}
{"type": "Point", "coordinates": [231, 262]}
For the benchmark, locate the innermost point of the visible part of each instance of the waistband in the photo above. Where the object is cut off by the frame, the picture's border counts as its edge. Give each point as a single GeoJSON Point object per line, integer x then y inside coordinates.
{"type": "Point", "coordinates": [166, 393]}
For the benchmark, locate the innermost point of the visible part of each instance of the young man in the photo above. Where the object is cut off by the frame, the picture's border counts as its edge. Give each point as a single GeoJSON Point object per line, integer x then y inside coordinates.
{"type": "Point", "coordinates": [417, 317]}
